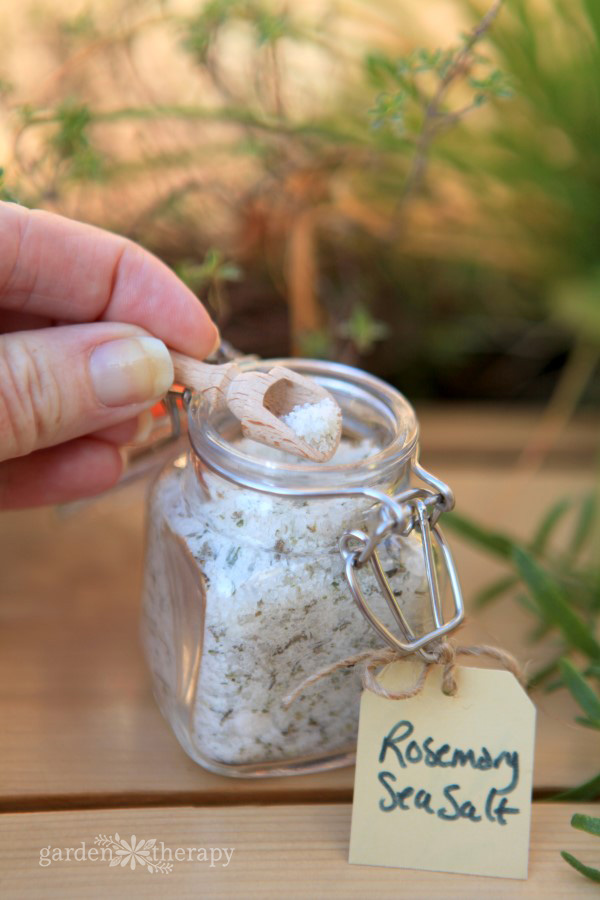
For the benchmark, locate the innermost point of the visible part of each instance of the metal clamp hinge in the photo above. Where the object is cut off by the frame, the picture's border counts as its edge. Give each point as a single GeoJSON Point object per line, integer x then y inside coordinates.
{"type": "Point", "coordinates": [415, 509]}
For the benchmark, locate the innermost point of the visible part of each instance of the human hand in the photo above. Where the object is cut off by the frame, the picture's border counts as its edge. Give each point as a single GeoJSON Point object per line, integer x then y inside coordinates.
{"type": "Point", "coordinates": [85, 320]}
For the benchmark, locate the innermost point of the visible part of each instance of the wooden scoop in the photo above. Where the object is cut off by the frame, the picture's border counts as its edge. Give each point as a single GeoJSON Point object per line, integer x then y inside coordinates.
{"type": "Point", "coordinates": [258, 400]}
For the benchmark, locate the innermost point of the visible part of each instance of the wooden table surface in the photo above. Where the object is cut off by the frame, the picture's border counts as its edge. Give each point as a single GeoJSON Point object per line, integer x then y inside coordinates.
{"type": "Point", "coordinates": [84, 750]}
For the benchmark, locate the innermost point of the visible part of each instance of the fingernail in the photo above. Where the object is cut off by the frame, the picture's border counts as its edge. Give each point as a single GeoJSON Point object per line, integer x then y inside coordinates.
{"type": "Point", "coordinates": [131, 370]}
{"type": "Point", "coordinates": [124, 454]}
{"type": "Point", "coordinates": [216, 344]}
{"type": "Point", "coordinates": [145, 424]}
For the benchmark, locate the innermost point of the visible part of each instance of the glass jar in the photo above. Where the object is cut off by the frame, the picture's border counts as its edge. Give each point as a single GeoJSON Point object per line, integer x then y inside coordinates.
{"type": "Point", "coordinates": [248, 589]}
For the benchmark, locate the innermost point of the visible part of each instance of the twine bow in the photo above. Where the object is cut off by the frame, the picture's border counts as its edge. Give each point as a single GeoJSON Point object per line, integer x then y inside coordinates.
{"type": "Point", "coordinates": [442, 653]}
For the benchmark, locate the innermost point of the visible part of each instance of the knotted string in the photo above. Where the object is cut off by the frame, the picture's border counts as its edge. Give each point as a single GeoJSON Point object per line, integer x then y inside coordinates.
{"type": "Point", "coordinates": [441, 653]}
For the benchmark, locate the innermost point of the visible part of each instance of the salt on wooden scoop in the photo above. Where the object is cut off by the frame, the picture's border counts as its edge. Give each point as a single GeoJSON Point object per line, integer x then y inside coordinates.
{"type": "Point", "coordinates": [279, 408]}
{"type": "Point", "coordinates": [319, 424]}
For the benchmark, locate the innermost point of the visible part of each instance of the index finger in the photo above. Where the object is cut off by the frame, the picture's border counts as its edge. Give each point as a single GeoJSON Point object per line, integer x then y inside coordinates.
{"type": "Point", "coordinates": [53, 266]}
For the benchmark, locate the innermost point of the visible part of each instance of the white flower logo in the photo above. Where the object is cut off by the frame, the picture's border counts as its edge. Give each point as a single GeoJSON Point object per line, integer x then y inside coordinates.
{"type": "Point", "coordinates": [133, 853]}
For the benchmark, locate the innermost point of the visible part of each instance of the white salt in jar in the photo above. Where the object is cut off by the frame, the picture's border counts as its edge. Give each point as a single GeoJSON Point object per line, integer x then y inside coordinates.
{"type": "Point", "coordinates": [262, 569]}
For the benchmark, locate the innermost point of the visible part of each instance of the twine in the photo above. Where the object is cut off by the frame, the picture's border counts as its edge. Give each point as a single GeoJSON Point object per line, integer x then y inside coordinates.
{"type": "Point", "coordinates": [442, 653]}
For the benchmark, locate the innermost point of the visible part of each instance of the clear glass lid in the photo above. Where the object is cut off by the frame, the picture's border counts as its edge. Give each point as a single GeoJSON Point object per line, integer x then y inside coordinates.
{"type": "Point", "coordinates": [370, 408]}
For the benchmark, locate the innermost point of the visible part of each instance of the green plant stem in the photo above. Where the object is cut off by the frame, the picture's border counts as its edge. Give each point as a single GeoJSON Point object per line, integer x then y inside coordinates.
{"type": "Point", "coordinates": [589, 790]}
{"type": "Point", "coordinates": [234, 115]}
{"type": "Point", "coordinates": [589, 871]}
{"type": "Point", "coordinates": [434, 120]}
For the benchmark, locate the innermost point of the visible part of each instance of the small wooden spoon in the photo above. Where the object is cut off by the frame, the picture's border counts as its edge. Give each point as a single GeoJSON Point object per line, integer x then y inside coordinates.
{"type": "Point", "coordinates": [258, 400]}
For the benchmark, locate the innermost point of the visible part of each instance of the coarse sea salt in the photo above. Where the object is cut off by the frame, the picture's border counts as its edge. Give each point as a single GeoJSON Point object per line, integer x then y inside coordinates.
{"type": "Point", "coordinates": [245, 596]}
{"type": "Point", "coordinates": [319, 424]}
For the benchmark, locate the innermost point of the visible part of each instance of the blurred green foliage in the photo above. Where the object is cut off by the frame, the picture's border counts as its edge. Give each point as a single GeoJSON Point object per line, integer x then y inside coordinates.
{"type": "Point", "coordinates": [432, 216]}
{"type": "Point", "coordinates": [547, 151]}
{"type": "Point", "coordinates": [209, 278]}
{"type": "Point", "coordinates": [591, 825]}
{"type": "Point", "coordinates": [556, 578]}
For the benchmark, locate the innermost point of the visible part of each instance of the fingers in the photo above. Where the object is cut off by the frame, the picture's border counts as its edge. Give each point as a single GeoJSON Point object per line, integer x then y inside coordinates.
{"type": "Point", "coordinates": [119, 435]}
{"type": "Point", "coordinates": [52, 266]}
{"type": "Point", "coordinates": [57, 384]}
{"type": "Point", "coordinates": [78, 469]}
{"type": "Point", "coordinates": [133, 431]}
{"type": "Point", "coordinates": [74, 470]}
{"type": "Point", "coordinates": [13, 320]}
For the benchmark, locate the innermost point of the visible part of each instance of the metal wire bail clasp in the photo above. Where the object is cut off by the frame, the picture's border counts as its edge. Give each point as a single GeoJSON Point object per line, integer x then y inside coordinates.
{"type": "Point", "coordinates": [413, 508]}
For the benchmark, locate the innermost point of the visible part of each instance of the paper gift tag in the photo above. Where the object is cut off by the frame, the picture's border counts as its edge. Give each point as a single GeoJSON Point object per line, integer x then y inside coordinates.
{"type": "Point", "coordinates": [444, 783]}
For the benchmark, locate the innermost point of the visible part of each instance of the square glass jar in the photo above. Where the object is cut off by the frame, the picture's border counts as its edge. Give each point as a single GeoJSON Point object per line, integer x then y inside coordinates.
{"type": "Point", "coordinates": [244, 589]}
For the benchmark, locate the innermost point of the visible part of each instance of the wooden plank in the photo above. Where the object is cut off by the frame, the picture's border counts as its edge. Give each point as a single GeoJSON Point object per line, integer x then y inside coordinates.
{"type": "Point", "coordinates": [297, 851]}
{"type": "Point", "coordinates": [80, 724]}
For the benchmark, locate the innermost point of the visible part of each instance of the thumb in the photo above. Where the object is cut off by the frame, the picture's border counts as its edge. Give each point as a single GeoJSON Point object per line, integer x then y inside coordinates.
{"type": "Point", "coordinates": [60, 383]}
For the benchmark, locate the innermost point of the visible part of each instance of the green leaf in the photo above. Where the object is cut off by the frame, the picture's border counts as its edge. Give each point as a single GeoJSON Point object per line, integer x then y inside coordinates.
{"type": "Point", "coordinates": [214, 269]}
{"type": "Point", "coordinates": [554, 686]}
{"type": "Point", "coordinates": [201, 30]}
{"type": "Point", "coordinates": [588, 790]}
{"type": "Point", "coordinates": [524, 600]}
{"type": "Point", "coordinates": [542, 674]}
{"type": "Point", "coordinates": [583, 528]}
{"type": "Point", "coordinates": [589, 824]}
{"type": "Point", "coordinates": [496, 543]}
{"type": "Point", "coordinates": [588, 723]}
{"type": "Point", "coordinates": [541, 629]}
{"type": "Point", "coordinates": [379, 68]}
{"type": "Point", "coordinates": [495, 590]}
{"type": "Point", "coordinates": [588, 871]}
{"type": "Point", "coordinates": [548, 524]}
{"type": "Point", "coordinates": [230, 272]}
{"type": "Point", "coordinates": [585, 696]}
{"type": "Point", "coordinates": [271, 27]}
{"type": "Point", "coordinates": [362, 329]}
{"type": "Point", "coordinates": [552, 604]}
{"type": "Point", "coordinates": [537, 634]}
{"type": "Point", "coordinates": [389, 110]}
{"type": "Point", "coordinates": [71, 136]}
